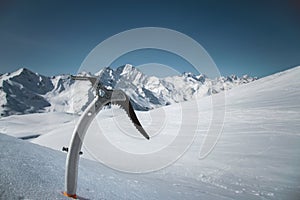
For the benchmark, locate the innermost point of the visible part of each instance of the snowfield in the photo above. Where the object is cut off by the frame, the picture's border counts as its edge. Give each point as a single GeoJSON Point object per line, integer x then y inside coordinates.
{"type": "Point", "coordinates": [256, 157]}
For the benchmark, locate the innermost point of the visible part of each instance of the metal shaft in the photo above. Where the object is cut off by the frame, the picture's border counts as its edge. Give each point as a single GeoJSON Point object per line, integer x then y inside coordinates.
{"type": "Point", "coordinates": [85, 120]}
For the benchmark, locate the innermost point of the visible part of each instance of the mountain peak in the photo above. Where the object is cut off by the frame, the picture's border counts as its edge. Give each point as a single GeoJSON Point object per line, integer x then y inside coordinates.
{"type": "Point", "coordinates": [22, 70]}
{"type": "Point", "coordinates": [125, 69]}
{"type": "Point", "coordinates": [128, 66]}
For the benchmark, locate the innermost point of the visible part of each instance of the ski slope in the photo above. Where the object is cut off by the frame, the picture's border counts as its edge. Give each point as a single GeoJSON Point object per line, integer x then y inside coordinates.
{"type": "Point", "coordinates": [256, 157]}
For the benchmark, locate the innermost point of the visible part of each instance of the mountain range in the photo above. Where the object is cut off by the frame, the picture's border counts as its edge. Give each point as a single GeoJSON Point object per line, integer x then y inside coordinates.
{"type": "Point", "coordinates": [24, 91]}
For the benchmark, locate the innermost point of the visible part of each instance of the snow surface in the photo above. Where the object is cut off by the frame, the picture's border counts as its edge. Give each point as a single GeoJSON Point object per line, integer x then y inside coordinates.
{"type": "Point", "coordinates": [257, 156]}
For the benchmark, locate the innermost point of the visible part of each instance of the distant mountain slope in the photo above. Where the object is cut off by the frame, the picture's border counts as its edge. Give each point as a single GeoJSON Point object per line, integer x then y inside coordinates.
{"type": "Point", "coordinates": [24, 91]}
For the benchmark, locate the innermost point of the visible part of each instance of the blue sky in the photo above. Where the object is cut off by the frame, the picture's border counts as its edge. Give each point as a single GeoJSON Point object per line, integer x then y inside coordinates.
{"type": "Point", "coordinates": [242, 37]}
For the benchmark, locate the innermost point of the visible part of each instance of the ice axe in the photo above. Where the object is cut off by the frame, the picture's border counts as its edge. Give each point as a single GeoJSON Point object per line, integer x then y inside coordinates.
{"type": "Point", "coordinates": [102, 98]}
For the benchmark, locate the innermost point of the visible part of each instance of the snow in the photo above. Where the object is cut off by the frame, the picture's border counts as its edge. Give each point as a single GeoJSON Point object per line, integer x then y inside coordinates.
{"type": "Point", "coordinates": [34, 124]}
{"type": "Point", "coordinates": [256, 157]}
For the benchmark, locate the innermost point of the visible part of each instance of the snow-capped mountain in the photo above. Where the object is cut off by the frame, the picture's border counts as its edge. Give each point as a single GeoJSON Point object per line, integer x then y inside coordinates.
{"type": "Point", "coordinates": [24, 91]}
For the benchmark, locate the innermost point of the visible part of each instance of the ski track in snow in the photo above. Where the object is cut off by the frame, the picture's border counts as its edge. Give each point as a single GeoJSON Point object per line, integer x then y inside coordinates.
{"type": "Point", "coordinates": [256, 157]}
